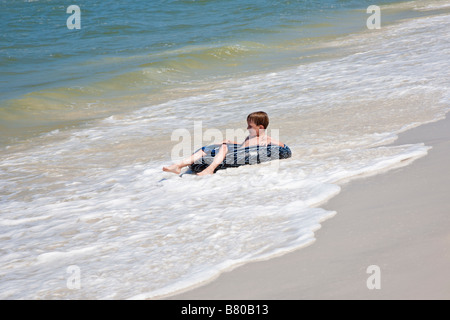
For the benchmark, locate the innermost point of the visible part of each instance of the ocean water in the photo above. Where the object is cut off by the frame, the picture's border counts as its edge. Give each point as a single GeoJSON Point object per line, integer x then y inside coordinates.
{"type": "Point", "coordinates": [88, 118]}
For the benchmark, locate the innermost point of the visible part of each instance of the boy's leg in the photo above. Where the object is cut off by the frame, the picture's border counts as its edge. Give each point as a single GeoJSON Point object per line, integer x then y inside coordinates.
{"type": "Point", "coordinates": [218, 159]}
{"type": "Point", "coordinates": [176, 167]}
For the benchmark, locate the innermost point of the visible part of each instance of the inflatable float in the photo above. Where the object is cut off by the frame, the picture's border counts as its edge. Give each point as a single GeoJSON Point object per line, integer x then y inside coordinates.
{"type": "Point", "coordinates": [237, 157]}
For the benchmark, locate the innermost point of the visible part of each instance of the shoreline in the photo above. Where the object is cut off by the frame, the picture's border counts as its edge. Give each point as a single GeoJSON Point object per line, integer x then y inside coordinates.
{"type": "Point", "coordinates": [385, 220]}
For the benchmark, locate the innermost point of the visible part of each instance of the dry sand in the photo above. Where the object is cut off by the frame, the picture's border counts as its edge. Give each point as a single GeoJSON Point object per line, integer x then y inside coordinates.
{"type": "Point", "coordinates": [398, 220]}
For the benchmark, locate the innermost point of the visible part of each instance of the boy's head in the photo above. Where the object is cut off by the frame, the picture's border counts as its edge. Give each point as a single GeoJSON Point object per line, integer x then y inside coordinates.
{"type": "Point", "coordinates": [257, 121]}
{"type": "Point", "coordinates": [259, 118]}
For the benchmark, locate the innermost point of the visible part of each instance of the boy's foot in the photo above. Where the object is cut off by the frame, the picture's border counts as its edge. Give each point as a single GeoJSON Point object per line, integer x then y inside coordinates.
{"type": "Point", "coordinates": [205, 172]}
{"type": "Point", "coordinates": [173, 168]}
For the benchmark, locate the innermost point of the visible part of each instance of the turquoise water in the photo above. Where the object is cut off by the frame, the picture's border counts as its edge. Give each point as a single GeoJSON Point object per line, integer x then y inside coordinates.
{"type": "Point", "coordinates": [89, 117]}
{"type": "Point", "coordinates": [128, 52]}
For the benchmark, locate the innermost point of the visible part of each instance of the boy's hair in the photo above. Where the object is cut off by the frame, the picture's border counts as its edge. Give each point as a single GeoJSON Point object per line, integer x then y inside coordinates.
{"type": "Point", "coordinates": [259, 118]}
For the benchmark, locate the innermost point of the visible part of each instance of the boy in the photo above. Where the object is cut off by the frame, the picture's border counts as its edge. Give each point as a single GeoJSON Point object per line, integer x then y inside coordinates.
{"type": "Point", "coordinates": [257, 124]}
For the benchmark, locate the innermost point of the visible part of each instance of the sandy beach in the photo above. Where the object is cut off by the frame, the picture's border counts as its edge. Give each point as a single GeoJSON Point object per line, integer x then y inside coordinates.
{"type": "Point", "coordinates": [398, 220]}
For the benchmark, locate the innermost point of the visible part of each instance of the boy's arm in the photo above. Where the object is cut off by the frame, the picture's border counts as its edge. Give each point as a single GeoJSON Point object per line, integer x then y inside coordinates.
{"type": "Point", "coordinates": [276, 142]}
{"type": "Point", "coordinates": [234, 142]}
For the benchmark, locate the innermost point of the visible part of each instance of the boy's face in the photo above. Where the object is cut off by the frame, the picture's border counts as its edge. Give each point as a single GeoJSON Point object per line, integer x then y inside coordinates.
{"type": "Point", "coordinates": [254, 129]}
